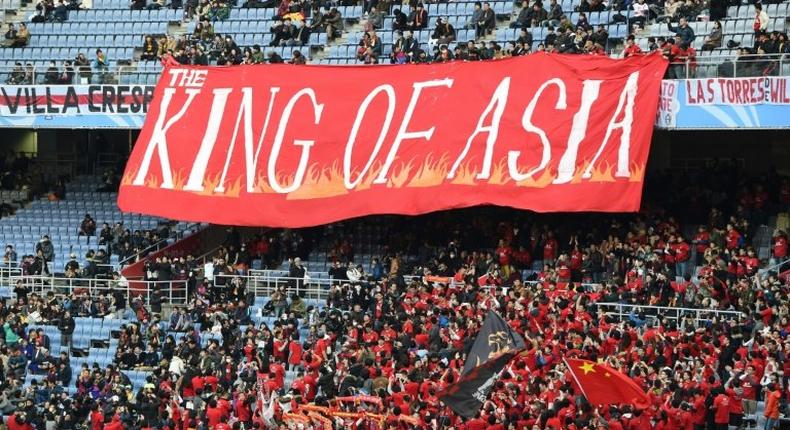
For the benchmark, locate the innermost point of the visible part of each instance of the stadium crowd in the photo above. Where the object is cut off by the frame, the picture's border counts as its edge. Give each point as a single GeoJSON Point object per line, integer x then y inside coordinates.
{"type": "Point", "coordinates": [389, 338]}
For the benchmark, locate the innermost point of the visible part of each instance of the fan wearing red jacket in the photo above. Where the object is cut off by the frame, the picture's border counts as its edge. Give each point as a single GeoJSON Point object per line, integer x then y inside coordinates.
{"type": "Point", "coordinates": [721, 408]}
{"type": "Point", "coordinates": [550, 249]}
{"type": "Point", "coordinates": [733, 238]}
{"type": "Point", "coordinates": [779, 248]}
{"type": "Point", "coordinates": [682, 253]}
{"type": "Point", "coordinates": [701, 243]}
{"type": "Point", "coordinates": [631, 48]}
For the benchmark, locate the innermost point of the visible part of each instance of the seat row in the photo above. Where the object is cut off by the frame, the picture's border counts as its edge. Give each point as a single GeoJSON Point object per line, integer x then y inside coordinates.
{"type": "Point", "coordinates": [91, 28]}
{"type": "Point", "coordinates": [161, 15]}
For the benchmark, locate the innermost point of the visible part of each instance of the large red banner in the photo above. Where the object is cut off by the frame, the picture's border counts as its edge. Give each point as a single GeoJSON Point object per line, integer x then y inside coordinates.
{"type": "Point", "coordinates": [281, 145]}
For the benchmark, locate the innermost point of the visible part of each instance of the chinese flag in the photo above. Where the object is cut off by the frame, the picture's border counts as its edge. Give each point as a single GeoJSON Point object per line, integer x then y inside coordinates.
{"type": "Point", "coordinates": [602, 385]}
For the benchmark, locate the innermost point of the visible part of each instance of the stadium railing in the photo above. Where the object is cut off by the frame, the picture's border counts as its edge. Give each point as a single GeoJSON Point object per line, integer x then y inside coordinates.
{"type": "Point", "coordinates": [701, 67]}
{"type": "Point", "coordinates": [262, 283]}
{"type": "Point", "coordinates": [175, 235]}
{"type": "Point", "coordinates": [623, 311]}
{"type": "Point", "coordinates": [745, 66]}
{"type": "Point", "coordinates": [174, 292]}
{"type": "Point", "coordinates": [121, 75]}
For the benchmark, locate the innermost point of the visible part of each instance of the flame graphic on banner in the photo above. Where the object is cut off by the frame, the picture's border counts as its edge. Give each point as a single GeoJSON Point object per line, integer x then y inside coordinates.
{"type": "Point", "coordinates": [324, 182]}
{"type": "Point", "coordinates": [320, 183]}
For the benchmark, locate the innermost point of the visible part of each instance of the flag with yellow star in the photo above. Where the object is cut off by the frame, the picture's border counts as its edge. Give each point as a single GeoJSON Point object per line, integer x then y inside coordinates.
{"type": "Point", "coordinates": [602, 385]}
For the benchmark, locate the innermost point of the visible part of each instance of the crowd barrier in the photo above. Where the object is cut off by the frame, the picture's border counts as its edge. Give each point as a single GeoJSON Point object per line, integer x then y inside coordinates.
{"type": "Point", "coordinates": [262, 283]}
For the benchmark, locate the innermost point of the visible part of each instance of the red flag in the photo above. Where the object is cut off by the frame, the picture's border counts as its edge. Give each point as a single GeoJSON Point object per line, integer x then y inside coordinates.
{"type": "Point", "coordinates": [602, 385]}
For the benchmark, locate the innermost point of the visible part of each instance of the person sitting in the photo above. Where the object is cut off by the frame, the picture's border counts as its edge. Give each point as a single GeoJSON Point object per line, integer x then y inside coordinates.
{"type": "Point", "coordinates": [444, 33]}
{"type": "Point", "coordinates": [375, 19]}
{"type": "Point", "coordinates": [22, 36]}
{"type": "Point", "coordinates": [51, 75]}
{"type": "Point", "coordinates": [283, 31]}
{"type": "Point", "coordinates": [400, 21]}
{"type": "Point", "coordinates": [486, 22]}
{"type": "Point", "coordinates": [333, 24]}
{"type": "Point", "coordinates": [475, 18]}
{"type": "Point", "coordinates": [713, 40]}
{"type": "Point", "coordinates": [66, 77]}
{"type": "Point", "coordinates": [88, 225]}
{"type": "Point", "coordinates": [150, 49]}
{"type": "Point", "coordinates": [137, 5]}
{"type": "Point", "coordinates": [418, 18]}
{"type": "Point", "coordinates": [10, 35]}
{"type": "Point", "coordinates": [297, 58]}
{"type": "Point", "coordinates": [61, 12]}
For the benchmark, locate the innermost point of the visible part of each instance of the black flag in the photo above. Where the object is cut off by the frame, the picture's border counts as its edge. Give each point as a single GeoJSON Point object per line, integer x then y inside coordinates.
{"type": "Point", "coordinates": [495, 346]}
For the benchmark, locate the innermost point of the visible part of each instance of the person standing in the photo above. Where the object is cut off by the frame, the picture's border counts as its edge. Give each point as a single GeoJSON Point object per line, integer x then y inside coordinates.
{"type": "Point", "coordinates": [772, 397]}
{"type": "Point", "coordinates": [66, 326]}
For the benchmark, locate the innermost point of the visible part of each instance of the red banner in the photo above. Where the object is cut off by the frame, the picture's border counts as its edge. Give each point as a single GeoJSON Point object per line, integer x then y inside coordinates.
{"type": "Point", "coordinates": [282, 145]}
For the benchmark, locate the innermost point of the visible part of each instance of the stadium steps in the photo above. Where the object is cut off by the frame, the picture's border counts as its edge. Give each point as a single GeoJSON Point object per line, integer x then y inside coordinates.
{"type": "Point", "coordinates": [324, 53]}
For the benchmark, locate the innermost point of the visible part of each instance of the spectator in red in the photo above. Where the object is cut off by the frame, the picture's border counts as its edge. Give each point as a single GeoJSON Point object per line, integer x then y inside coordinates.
{"type": "Point", "coordinates": [733, 239]}
{"type": "Point", "coordinates": [773, 396]}
{"type": "Point", "coordinates": [701, 243]}
{"type": "Point", "coordinates": [721, 408]}
{"type": "Point", "coordinates": [779, 247]}
{"type": "Point", "coordinates": [631, 48]}
{"type": "Point", "coordinates": [682, 253]}
{"type": "Point", "coordinates": [550, 249]}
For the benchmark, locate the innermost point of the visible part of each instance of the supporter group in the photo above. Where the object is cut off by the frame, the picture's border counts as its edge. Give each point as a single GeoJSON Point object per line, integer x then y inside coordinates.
{"type": "Point", "coordinates": [376, 348]}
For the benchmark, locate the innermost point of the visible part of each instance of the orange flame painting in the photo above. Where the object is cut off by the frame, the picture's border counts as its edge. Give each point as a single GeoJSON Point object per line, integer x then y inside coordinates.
{"type": "Point", "coordinates": [329, 181]}
{"type": "Point", "coordinates": [431, 173]}
{"type": "Point", "coordinates": [320, 183]}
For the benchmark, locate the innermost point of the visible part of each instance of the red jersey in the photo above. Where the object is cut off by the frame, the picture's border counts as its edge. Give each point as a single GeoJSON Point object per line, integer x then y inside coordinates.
{"type": "Point", "coordinates": [632, 50]}
{"type": "Point", "coordinates": [721, 405]}
{"type": "Point", "coordinates": [780, 247]}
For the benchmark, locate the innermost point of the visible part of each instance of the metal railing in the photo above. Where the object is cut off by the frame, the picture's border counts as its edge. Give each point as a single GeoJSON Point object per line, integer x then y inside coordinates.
{"type": "Point", "coordinates": [30, 74]}
{"type": "Point", "coordinates": [262, 283]}
{"type": "Point", "coordinates": [699, 67]}
{"type": "Point", "coordinates": [174, 292]}
{"type": "Point", "coordinates": [624, 310]}
{"type": "Point", "coordinates": [744, 66]}
{"type": "Point", "coordinates": [763, 273]}
{"type": "Point", "coordinates": [162, 243]}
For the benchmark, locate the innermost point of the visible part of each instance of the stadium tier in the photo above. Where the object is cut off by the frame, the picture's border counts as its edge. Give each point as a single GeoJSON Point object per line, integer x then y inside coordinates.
{"type": "Point", "coordinates": [120, 33]}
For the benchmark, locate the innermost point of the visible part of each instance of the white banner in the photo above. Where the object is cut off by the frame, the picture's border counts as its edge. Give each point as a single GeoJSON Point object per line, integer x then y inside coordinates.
{"type": "Point", "coordinates": [738, 91]}
{"type": "Point", "coordinates": [69, 100]}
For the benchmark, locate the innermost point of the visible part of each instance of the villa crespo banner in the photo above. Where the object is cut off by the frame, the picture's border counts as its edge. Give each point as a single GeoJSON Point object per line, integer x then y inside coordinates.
{"type": "Point", "coordinates": [290, 146]}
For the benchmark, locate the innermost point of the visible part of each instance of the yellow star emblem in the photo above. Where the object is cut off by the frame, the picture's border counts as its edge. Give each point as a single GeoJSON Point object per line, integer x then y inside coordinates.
{"type": "Point", "coordinates": [588, 367]}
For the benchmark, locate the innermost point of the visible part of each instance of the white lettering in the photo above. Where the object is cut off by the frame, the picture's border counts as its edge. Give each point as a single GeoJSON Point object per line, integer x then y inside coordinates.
{"type": "Point", "coordinates": [390, 92]}
{"type": "Point", "coordinates": [250, 160]}
{"type": "Point", "coordinates": [626, 102]}
{"type": "Point", "coordinates": [497, 104]}
{"type": "Point", "coordinates": [158, 139]}
{"type": "Point", "coordinates": [567, 164]}
{"type": "Point", "coordinates": [195, 181]}
{"type": "Point", "coordinates": [305, 144]}
{"type": "Point", "coordinates": [403, 134]}
{"type": "Point", "coordinates": [526, 122]}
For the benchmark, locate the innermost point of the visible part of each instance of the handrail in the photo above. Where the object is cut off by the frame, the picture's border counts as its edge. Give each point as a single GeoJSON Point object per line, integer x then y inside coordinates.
{"type": "Point", "coordinates": [700, 315]}
{"type": "Point", "coordinates": [690, 67]}
{"type": "Point", "coordinates": [178, 235]}
{"type": "Point", "coordinates": [175, 290]}
{"type": "Point", "coordinates": [764, 271]}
